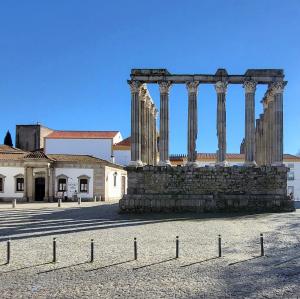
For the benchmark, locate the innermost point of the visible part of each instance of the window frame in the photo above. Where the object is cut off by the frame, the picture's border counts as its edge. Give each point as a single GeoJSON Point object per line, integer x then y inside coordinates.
{"type": "Point", "coordinates": [61, 177]}
{"type": "Point", "coordinates": [19, 176]}
{"type": "Point", "coordinates": [87, 178]}
{"type": "Point", "coordinates": [3, 183]}
{"type": "Point", "coordinates": [291, 176]}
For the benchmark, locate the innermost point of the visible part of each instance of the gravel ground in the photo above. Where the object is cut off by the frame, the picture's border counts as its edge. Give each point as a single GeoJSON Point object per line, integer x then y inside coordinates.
{"type": "Point", "coordinates": [197, 273]}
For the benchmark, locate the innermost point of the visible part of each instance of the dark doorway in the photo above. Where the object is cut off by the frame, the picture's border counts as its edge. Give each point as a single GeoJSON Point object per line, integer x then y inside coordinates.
{"type": "Point", "coordinates": [39, 189]}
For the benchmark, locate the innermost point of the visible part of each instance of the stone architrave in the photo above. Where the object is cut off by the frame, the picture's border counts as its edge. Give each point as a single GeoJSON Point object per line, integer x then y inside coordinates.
{"type": "Point", "coordinates": [221, 88]}
{"type": "Point", "coordinates": [135, 124]}
{"type": "Point", "coordinates": [250, 87]}
{"type": "Point", "coordinates": [277, 90]}
{"type": "Point", "coordinates": [164, 88]}
{"type": "Point", "coordinates": [192, 88]}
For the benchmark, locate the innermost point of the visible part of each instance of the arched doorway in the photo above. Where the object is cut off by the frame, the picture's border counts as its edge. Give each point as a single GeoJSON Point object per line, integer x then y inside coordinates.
{"type": "Point", "coordinates": [39, 189]}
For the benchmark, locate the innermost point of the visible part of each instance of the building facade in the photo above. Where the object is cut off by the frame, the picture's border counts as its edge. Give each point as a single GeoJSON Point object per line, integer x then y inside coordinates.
{"type": "Point", "coordinates": [94, 143]}
{"type": "Point", "coordinates": [35, 176]}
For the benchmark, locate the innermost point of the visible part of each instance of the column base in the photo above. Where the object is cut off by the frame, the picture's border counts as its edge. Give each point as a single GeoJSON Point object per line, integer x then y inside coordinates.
{"type": "Point", "coordinates": [164, 163]}
{"type": "Point", "coordinates": [223, 164]}
{"type": "Point", "coordinates": [250, 163]}
{"type": "Point", "coordinates": [137, 163]}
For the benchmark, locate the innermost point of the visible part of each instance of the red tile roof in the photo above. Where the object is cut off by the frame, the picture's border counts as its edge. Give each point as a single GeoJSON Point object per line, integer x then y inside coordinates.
{"type": "Point", "coordinates": [82, 134]}
{"type": "Point", "coordinates": [124, 142]}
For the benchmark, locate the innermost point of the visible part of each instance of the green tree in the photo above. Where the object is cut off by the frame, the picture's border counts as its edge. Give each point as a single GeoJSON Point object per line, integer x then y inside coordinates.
{"type": "Point", "coordinates": [7, 139]}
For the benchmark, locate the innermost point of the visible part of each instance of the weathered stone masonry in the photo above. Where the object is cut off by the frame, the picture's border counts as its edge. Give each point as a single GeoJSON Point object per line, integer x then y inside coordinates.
{"type": "Point", "coordinates": [162, 189]}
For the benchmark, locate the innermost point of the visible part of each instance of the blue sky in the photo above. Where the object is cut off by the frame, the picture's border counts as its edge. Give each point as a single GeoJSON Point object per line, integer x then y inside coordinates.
{"type": "Point", "coordinates": [65, 63]}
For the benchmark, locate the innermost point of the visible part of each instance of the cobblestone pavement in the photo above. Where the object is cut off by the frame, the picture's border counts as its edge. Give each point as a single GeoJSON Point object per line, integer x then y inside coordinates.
{"type": "Point", "coordinates": [197, 273]}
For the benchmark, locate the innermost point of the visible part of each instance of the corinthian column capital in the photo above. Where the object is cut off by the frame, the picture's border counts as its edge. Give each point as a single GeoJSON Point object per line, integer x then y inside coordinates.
{"type": "Point", "coordinates": [278, 87]}
{"type": "Point", "coordinates": [221, 87]}
{"type": "Point", "coordinates": [134, 86]}
{"type": "Point", "coordinates": [192, 87]}
{"type": "Point", "coordinates": [164, 86]}
{"type": "Point", "coordinates": [250, 86]}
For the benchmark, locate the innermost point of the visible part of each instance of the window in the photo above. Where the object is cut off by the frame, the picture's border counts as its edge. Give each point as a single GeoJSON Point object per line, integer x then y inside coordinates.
{"type": "Point", "coordinates": [115, 179]}
{"type": "Point", "coordinates": [290, 165]}
{"type": "Point", "coordinates": [19, 184]}
{"type": "Point", "coordinates": [290, 189]}
{"type": "Point", "coordinates": [1, 184]}
{"type": "Point", "coordinates": [290, 176]}
{"type": "Point", "coordinates": [62, 185]}
{"type": "Point", "coordinates": [83, 185]}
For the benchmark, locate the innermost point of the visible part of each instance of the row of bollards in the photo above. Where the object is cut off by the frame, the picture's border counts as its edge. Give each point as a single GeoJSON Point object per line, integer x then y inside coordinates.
{"type": "Point", "coordinates": [135, 249]}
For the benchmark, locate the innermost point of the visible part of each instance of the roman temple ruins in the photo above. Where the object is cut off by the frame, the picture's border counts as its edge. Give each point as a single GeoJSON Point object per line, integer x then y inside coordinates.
{"type": "Point", "coordinates": [258, 185]}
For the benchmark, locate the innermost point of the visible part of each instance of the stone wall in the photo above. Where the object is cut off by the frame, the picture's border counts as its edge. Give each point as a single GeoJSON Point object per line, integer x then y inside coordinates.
{"type": "Point", "coordinates": [204, 189]}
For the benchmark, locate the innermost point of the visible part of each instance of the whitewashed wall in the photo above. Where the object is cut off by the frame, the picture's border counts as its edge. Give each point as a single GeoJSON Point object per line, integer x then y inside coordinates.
{"type": "Point", "coordinates": [114, 192]}
{"type": "Point", "coordinates": [9, 181]}
{"type": "Point", "coordinates": [117, 138]}
{"type": "Point", "coordinates": [122, 157]}
{"type": "Point", "coordinates": [72, 184]}
{"type": "Point", "coordinates": [100, 148]}
{"type": "Point", "coordinates": [296, 182]}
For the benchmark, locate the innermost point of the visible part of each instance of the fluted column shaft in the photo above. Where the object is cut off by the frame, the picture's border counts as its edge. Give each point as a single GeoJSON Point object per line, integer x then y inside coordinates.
{"type": "Point", "coordinates": [250, 87]}
{"type": "Point", "coordinates": [192, 88]}
{"type": "Point", "coordinates": [277, 89]}
{"type": "Point", "coordinates": [154, 136]}
{"type": "Point", "coordinates": [148, 130]}
{"type": "Point", "coordinates": [164, 124]}
{"type": "Point", "coordinates": [135, 124]}
{"type": "Point", "coordinates": [221, 88]}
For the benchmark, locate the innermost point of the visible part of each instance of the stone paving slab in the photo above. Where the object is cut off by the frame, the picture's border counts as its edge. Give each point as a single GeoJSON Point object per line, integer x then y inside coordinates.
{"type": "Point", "coordinates": [198, 273]}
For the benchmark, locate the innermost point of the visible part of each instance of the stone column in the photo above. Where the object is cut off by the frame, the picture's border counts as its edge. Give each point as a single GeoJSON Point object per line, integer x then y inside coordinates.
{"type": "Point", "coordinates": [47, 185]}
{"type": "Point", "coordinates": [277, 90]}
{"type": "Point", "coordinates": [51, 184]}
{"type": "Point", "coordinates": [135, 124]}
{"type": "Point", "coordinates": [29, 183]}
{"type": "Point", "coordinates": [192, 88]}
{"type": "Point", "coordinates": [265, 132]}
{"type": "Point", "coordinates": [250, 87]}
{"type": "Point", "coordinates": [154, 136]}
{"type": "Point", "coordinates": [164, 88]}
{"type": "Point", "coordinates": [148, 131]}
{"type": "Point", "coordinates": [221, 88]}
{"type": "Point", "coordinates": [143, 124]}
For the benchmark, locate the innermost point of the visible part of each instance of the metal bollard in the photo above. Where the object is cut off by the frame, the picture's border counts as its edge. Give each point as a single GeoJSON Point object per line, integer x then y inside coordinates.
{"type": "Point", "coordinates": [95, 198]}
{"type": "Point", "coordinates": [59, 202]}
{"type": "Point", "coordinates": [79, 200]}
{"type": "Point", "coordinates": [54, 250]}
{"type": "Point", "coordinates": [14, 202]}
{"type": "Point", "coordinates": [92, 250]}
{"type": "Point", "coordinates": [220, 246]}
{"type": "Point", "coordinates": [177, 247]}
{"type": "Point", "coordinates": [135, 248]}
{"type": "Point", "coordinates": [8, 252]}
{"type": "Point", "coordinates": [262, 250]}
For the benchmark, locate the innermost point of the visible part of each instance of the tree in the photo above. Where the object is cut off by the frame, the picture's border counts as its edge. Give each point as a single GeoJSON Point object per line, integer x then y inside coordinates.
{"type": "Point", "coordinates": [7, 139]}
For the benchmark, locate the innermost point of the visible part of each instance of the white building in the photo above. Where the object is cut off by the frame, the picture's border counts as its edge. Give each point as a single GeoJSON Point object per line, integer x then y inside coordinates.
{"type": "Point", "coordinates": [291, 161]}
{"type": "Point", "coordinates": [98, 144]}
{"type": "Point", "coordinates": [35, 176]}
